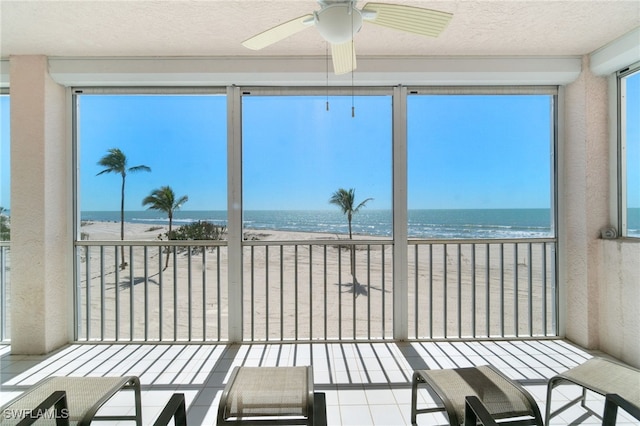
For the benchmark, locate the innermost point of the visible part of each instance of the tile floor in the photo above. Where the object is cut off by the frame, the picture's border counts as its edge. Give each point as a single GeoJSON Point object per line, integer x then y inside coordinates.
{"type": "Point", "coordinates": [364, 383]}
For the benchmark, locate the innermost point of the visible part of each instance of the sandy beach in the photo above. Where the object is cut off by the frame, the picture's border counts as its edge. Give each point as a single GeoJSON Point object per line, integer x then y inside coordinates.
{"type": "Point", "coordinates": [306, 291]}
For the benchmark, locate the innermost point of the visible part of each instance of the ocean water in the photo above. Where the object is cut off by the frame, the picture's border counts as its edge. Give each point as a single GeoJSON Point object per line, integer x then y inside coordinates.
{"type": "Point", "coordinates": [467, 223]}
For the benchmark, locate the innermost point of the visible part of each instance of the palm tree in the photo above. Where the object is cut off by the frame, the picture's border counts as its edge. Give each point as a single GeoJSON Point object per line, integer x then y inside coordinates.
{"type": "Point", "coordinates": [346, 201]}
{"type": "Point", "coordinates": [164, 199]}
{"type": "Point", "coordinates": [116, 162]}
{"type": "Point", "coordinates": [5, 231]}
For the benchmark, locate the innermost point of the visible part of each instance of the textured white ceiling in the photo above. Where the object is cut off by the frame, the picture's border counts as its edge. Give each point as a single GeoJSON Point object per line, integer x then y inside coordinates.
{"type": "Point", "coordinates": [217, 27]}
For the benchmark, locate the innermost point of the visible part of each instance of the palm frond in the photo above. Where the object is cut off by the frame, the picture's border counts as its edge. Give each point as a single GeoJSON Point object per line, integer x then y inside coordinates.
{"type": "Point", "coordinates": [343, 199]}
{"type": "Point", "coordinates": [362, 204]}
{"type": "Point", "coordinates": [164, 199]}
{"type": "Point", "coordinates": [140, 168]}
{"type": "Point", "coordinates": [181, 201]}
{"type": "Point", "coordinates": [114, 162]}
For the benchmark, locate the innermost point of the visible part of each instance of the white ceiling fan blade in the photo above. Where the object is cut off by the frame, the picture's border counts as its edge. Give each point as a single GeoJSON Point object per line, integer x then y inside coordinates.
{"type": "Point", "coordinates": [279, 32]}
{"type": "Point", "coordinates": [408, 18]}
{"type": "Point", "coordinates": [344, 57]}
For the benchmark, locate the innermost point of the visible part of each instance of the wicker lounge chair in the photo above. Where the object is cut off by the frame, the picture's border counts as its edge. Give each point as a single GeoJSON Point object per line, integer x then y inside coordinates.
{"type": "Point", "coordinates": [270, 395]}
{"type": "Point", "coordinates": [598, 375]}
{"type": "Point", "coordinates": [502, 397]}
{"type": "Point", "coordinates": [84, 396]}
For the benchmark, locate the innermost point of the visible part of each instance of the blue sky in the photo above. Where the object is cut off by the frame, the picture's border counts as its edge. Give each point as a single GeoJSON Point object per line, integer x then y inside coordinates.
{"type": "Point", "coordinates": [464, 151]}
{"type": "Point", "coordinates": [296, 153]}
{"type": "Point", "coordinates": [181, 138]}
{"type": "Point", "coordinates": [479, 151]}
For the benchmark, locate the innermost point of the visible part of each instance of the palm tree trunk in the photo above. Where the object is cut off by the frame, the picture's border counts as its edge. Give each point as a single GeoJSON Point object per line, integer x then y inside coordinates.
{"type": "Point", "coordinates": [124, 263]}
{"type": "Point", "coordinates": [166, 264]}
{"type": "Point", "coordinates": [352, 258]}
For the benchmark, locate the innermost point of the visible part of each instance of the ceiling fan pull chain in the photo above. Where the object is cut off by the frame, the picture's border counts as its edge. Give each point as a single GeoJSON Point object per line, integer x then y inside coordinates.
{"type": "Point", "coordinates": [326, 55]}
{"type": "Point", "coordinates": [353, 54]}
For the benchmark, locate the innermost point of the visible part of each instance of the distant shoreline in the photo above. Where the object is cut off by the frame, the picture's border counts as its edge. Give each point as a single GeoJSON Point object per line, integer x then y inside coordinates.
{"type": "Point", "coordinates": [110, 230]}
{"type": "Point", "coordinates": [462, 223]}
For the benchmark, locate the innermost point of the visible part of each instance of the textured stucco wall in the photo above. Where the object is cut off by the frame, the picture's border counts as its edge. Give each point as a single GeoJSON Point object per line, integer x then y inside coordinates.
{"type": "Point", "coordinates": [601, 278]}
{"type": "Point", "coordinates": [620, 301]}
{"type": "Point", "coordinates": [585, 203]}
{"type": "Point", "coordinates": [40, 246]}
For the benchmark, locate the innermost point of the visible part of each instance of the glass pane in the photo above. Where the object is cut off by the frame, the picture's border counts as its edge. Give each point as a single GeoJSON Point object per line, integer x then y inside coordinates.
{"type": "Point", "coordinates": [296, 155]}
{"type": "Point", "coordinates": [182, 141]}
{"type": "Point", "coordinates": [479, 166]}
{"type": "Point", "coordinates": [632, 142]}
{"type": "Point", "coordinates": [5, 169]}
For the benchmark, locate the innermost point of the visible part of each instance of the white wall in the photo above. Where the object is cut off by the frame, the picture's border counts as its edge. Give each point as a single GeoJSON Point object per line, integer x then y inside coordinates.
{"type": "Point", "coordinates": [617, 261]}
{"type": "Point", "coordinates": [40, 210]}
{"type": "Point", "coordinates": [620, 300]}
{"type": "Point", "coordinates": [584, 203]}
{"type": "Point", "coordinates": [601, 278]}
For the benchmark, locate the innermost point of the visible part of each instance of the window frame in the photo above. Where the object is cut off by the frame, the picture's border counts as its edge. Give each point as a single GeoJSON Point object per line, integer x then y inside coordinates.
{"type": "Point", "coordinates": [329, 92]}
{"type": "Point", "coordinates": [621, 77]}
{"type": "Point", "coordinates": [553, 91]}
{"type": "Point", "coordinates": [77, 92]}
{"type": "Point", "coordinates": [399, 240]}
{"type": "Point", "coordinates": [398, 95]}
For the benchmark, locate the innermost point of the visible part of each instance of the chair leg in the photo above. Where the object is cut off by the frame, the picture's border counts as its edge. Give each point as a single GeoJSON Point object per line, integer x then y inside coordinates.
{"type": "Point", "coordinates": [547, 414]}
{"type": "Point", "coordinates": [583, 403]}
{"type": "Point", "coordinates": [582, 399]}
{"type": "Point", "coordinates": [414, 398]}
{"type": "Point", "coordinates": [135, 385]}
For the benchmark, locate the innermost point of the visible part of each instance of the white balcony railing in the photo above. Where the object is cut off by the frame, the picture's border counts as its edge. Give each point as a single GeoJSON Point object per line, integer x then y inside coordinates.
{"type": "Point", "coordinates": [144, 301]}
{"type": "Point", "coordinates": [483, 288]}
{"type": "Point", "coordinates": [305, 290]}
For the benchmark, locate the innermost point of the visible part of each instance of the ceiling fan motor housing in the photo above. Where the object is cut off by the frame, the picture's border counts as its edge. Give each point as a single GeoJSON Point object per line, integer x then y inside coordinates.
{"type": "Point", "coordinates": [338, 23]}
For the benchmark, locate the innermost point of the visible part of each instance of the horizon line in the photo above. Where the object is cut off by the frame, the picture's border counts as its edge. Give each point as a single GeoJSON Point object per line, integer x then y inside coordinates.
{"type": "Point", "coordinates": [334, 210]}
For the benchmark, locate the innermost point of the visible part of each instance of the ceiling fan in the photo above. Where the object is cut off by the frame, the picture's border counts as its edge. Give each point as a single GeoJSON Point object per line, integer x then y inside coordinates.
{"type": "Point", "coordinates": [338, 21]}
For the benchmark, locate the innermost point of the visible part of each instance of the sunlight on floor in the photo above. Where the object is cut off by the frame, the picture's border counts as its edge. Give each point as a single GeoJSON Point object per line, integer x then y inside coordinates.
{"type": "Point", "coordinates": [364, 383]}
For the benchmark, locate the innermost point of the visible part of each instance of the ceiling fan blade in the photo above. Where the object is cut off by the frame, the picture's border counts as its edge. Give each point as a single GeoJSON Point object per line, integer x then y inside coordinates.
{"type": "Point", "coordinates": [344, 57]}
{"type": "Point", "coordinates": [408, 18]}
{"type": "Point", "coordinates": [279, 32]}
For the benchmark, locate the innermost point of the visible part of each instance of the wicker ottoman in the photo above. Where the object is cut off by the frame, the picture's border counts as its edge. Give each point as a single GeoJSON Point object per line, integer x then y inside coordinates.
{"type": "Point", "coordinates": [502, 397]}
{"type": "Point", "coordinates": [273, 395]}
{"type": "Point", "coordinates": [598, 375]}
